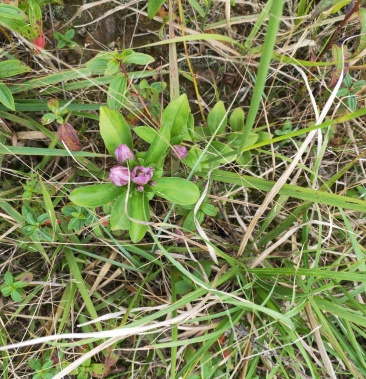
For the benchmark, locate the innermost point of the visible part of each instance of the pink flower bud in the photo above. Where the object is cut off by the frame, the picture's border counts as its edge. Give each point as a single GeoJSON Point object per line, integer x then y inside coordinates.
{"type": "Point", "coordinates": [179, 151]}
{"type": "Point", "coordinates": [122, 153]}
{"type": "Point", "coordinates": [119, 175]}
{"type": "Point", "coordinates": [141, 175]}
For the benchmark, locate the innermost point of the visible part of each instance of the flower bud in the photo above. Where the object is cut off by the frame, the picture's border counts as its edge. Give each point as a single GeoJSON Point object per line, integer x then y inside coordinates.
{"type": "Point", "coordinates": [179, 151]}
{"type": "Point", "coordinates": [119, 175]}
{"type": "Point", "coordinates": [141, 175]}
{"type": "Point", "coordinates": [67, 135]}
{"type": "Point", "coordinates": [122, 153]}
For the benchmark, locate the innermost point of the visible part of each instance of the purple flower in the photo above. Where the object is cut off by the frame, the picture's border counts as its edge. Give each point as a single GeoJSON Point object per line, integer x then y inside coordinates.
{"type": "Point", "coordinates": [119, 175]}
{"type": "Point", "coordinates": [122, 153]}
{"type": "Point", "coordinates": [141, 175]}
{"type": "Point", "coordinates": [179, 151]}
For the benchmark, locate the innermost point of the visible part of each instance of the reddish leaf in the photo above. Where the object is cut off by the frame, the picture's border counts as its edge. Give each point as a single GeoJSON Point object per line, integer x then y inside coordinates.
{"type": "Point", "coordinates": [39, 43]}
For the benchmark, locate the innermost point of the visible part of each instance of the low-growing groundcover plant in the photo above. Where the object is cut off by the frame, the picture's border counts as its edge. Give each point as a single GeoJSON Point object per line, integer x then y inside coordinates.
{"type": "Point", "coordinates": [139, 177]}
{"type": "Point", "coordinates": [214, 234]}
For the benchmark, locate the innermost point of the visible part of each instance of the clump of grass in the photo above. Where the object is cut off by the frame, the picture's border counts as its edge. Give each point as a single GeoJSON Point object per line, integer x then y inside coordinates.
{"type": "Point", "coordinates": [262, 275]}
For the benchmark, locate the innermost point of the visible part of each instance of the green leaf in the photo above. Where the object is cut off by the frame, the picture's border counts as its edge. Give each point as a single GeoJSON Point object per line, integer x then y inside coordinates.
{"type": "Point", "coordinates": [146, 133]}
{"type": "Point", "coordinates": [8, 278]}
{"type": "Point", "coordinates": [182, 287]}
{"type": "Point", "coordinates": [140, 210]}
{"type": "Point", "coordinates": [176, 116]}
{"type": "Point", "coordinates": [34, 364]}
{"type": "Point", "coordinates": [216, 119]}
{"type": "Point", "coordinates": [14, 19]}
{"type": "Point", "coordinates": [35, 17]}
{"type": "Point", "coordinates": [70, 34]}
{"type": "Point", "coordinates": [114, 129]}
{"type": "Point", "coordinates": [119, 218]}
{"type": "Point", "coordinates": [138, 58]}
{"type": "Point", "coordinates": [234, 139]}
{"type": "Point", "coordinates": [159, 146]}
{"type": "Point", "coordinates": [9, 12]}
{"type": "Point", "coordinates": [6, 291]}
{"type": "Point", "coordinates": [48, 118]}
{"type": "Point", "coordinates": [12, 67]}
{"type": "Point", "coordinates": [95, 195]}
{"type": "Point", "coordinates": [98, 64]}
{"type": "Point", "coordinates": [29, 215]}
{"type": "Point", "coordinates": [16, 296]}
{"type": "Point", "coordinates": [153, 6]}
{"type": "Point", "coordinates": [177, 190]}
{"type": "Point", "coordinates": [208, 209]}
{"type": "Point", "coordinates": [112, 67]}
{"type": "Point", "coordinates": [189, 223]}
{"type": "Point", "coordinates": [236, 120]}
{"type": "Point", "coordinates": [6, 97]}
{"type": "Point", "coordinates": [219, 149]}
{"type": "Point", "coordinates": [28, 230]}
{"type": "Point", "coordinates": [194, 4]}
{"type": "Point", "coordinates": [117, 92]}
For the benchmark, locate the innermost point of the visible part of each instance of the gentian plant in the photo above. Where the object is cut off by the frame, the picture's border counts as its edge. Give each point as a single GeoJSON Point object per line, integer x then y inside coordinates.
{"type": "Point", "coordinates": [138, 175]}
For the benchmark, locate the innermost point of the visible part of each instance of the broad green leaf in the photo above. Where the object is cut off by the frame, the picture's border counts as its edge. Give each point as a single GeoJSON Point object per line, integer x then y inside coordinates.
{"type": "Point", "coordinates": [12, 67]}
{"type": "Point", "coordinates": [153, 6]}
{"type": "Point", "coordinates": [146, 133]}
{"type": "Point", "coordinates": [138, 58]}
{"type": "Point", "coordinates": [119, 218]}
{"type": "Point", "coordinates": [177, 190]}
{"type": "Point", "coordinates": [6, 97]}
{"type": "Point", "coordinates": [158, 146]}
{"type": "Point", "coordinates": [176, 116]}
{"type": "Point", "coordinates": [9, 12]}
{"type": "Point", "coordinates": [192, 157]}
{"type": "Point", "coordinates": [112, 67]}
{"type": "Point", "coordinates": [234, 139]}
{"type": "Point", "coordinates": [95, 195]}
{"type": "Point", "coordinates": [98, 64]}
{"type": "Point", "coordinates": [140, 210]}
{"type": "Point", "coordinates": [208, 209]}
{"type": "Point", "coordinates": [35, 17]}
{"type": "Point", "coordinates": [117, 92]}
{"type": "Point", "coordinates": [114, 129]}
{"type": "Point", "coordinates": [216, 119]}
{"type": "Point", "coordinates": [189, 223]}
{"type": "Point", "coordinates": [201, 133]}
{"type": "Point", "coordinates": [236, 120]}
{"type": "Point", "coordinates": [262, 137]}
{"type": "Point", "coordinates": [14, 19]}
{"type": "Point", "coordinates": [218, 150]}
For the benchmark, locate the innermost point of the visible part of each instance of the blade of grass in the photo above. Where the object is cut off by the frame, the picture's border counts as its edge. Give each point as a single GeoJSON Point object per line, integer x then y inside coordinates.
{"type": "Point", "coordinates": [266, 56]}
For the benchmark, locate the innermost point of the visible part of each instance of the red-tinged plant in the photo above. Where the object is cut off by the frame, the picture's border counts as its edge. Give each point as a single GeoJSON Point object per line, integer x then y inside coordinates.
{"type": "Point", "coordinates": [39, 43]}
